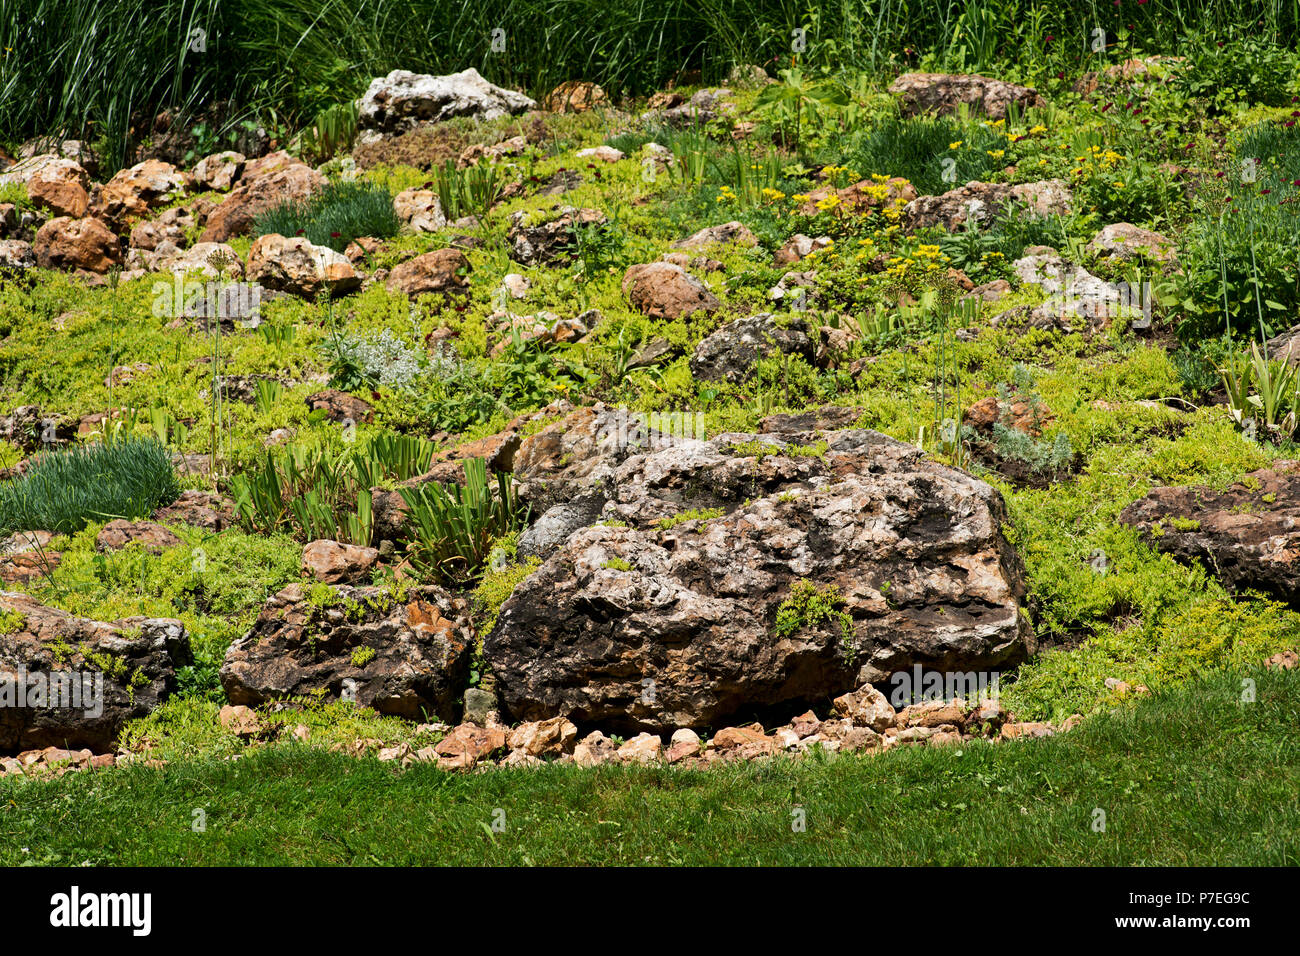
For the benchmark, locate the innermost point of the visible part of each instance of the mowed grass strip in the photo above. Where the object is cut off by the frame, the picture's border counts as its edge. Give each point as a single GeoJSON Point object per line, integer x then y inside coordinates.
{"type": "Point", "coordinates": [1194, 778]}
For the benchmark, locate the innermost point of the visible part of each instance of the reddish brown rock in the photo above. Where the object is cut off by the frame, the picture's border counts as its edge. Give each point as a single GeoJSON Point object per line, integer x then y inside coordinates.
{"type": "Point", "coordinates": [240, 720]}
{"type": "Point", "coordinates": [439, 272]}
{"type": "Point", "coordinates": [259, 191]}
{"type": "Point", "coordinates": [119, 532]}
{"type": "Point", "coordinates": [933, 713]}
{"type": "Point", "coordinates": [62, 187]}
{"type": "Point", "coordinates": [25, 556]}
{"type": "Point", "coordinates": [202, 509]}
{"type": "Point", "coordinates": [83, 244]}
{"type": "Point", "coordinates": [1017, 413]}
{"type": "Point", "coordinates": [575, 96]}
{"type": "Point", "coordinates": [340, 406]}
{"type": "Point", "coordinates": [337, 563]}
{"type": "Point", "coordinates": [1283, 660]}
{"type": "Point", "coordinates": [662, 290]}
{"type": "Point", "coordinates": [1026, 729]}
{"type": "Point", "coordinates": [945, 93]}
{"type": "Point", "coordinates": [471, 742]}
{"type": "Point", "coordinates": [866, 707]}
{"type": "Point", "coordinates": [133, 192]}
{"type": "Point", "coordinates": [544, 738]}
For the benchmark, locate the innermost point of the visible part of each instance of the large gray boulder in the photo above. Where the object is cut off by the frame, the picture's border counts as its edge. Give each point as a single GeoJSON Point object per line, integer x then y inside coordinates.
{"type": "Point", "coordinates": [403, 99]}
{"type": "Point", "coordinates": [731, 353]}
{"type": "Point", "coordinates": [67, 681]}
{"type": "Point", "coordinates": [666, 615]}
{"type": "Point", "coordinates": [409, 658]}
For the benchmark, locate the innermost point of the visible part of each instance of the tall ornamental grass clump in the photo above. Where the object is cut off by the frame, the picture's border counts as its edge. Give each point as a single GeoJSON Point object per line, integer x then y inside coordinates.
{"type": "Point", "coordinates": [336, 215]}
{"type": "Point", "coordinates": [63, 491]}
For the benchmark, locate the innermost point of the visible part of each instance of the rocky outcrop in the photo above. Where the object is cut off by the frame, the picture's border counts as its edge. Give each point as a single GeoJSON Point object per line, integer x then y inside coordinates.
{"type": "Point", "coordinates": [1248, 536]}
{"type": "Point", "coordinates": [673, 617]}
{"type": "Point", "coordinates": [408, 658]}
{"type": "Point", "coordinates": [298, 267]}
{"type": "Point", "coordinates": [573, 459]}
{"type": "Point", "coordinates": [731, 353]}
{"type": "Point", "coordinates": [663, 290]}
{"type": "Point", "coordinates": [260, 189]}
{"type": "Point", "coordinates": [82, 244]}
{"type": "Point", "coordinates": [549, 242]}
{"type": "Point", "coordinates": [439, 272]}
{"type": "Point", "coordinates": [946, 93]}
{"type": "Point", "coordinates": [986, 202]}
{"type": "Point", "coordinates": [113, 672]}
{"type": "Point", "coordinates": [402, 100]}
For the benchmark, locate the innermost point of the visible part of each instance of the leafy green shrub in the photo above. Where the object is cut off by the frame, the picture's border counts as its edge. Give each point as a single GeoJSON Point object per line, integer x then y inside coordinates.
{"type": "Point", "coordinates": [339, 213]}
{"type": "Point", "coordinates": [1134, 191]}
{"type": "Point", "coordinates": [1252, 70]}
{"type": "Point", "coordinates": [798, 101]}
{"type": "Point", "coordinates": [454, 527]}
{"type": "Point", "coordinates": [985, 253]}
{"type": "Point", "coordinates": [62, 491]}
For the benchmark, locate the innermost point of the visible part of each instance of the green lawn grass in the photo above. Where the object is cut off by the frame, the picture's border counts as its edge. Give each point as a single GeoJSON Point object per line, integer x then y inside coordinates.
{"type": "Point", "coordinates": [1195, 777]}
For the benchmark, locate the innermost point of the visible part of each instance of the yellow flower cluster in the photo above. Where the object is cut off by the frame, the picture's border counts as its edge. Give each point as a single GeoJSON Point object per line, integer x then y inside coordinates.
{"type": "Point", "coordinates": [1104, 159]}
{"type": "Point", "coordinates": [925, 258]}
